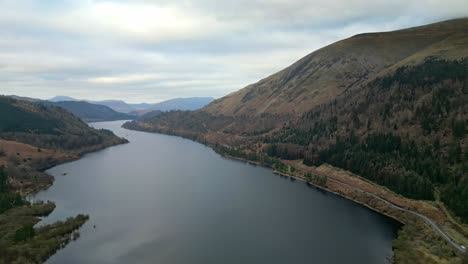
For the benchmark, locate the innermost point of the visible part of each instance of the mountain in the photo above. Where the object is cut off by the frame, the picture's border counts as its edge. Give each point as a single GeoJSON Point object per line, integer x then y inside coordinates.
{"type": "Point", "coordinates": [389, 106]}
{"type": "Point", "coordinates": [191, 103]}
{"type": "Point", "coordinates": [60, 98]}
{"type": "Point", "coordinates": [328, 72]}
{"type": "Point", "coordinates": [92, 112]}
{"type": "Point", "coordinates": [117, 105]}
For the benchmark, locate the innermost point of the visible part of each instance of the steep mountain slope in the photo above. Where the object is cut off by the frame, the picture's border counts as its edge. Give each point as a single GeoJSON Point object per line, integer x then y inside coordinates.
{"type": "Point", "coordinates": [392, 107]}
{"type": "Point", "coordinates": [330, 71]}
{"type": "Point", "coordinates": [92, 112]}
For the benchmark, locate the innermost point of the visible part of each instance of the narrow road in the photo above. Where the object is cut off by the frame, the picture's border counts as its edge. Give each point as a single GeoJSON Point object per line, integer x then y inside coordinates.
{"type": "Point", "coordinates": [425, 218]}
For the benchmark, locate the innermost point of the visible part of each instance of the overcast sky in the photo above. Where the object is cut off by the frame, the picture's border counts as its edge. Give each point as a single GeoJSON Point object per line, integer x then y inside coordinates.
{"type": "Point", "coordinates": [148, 51]}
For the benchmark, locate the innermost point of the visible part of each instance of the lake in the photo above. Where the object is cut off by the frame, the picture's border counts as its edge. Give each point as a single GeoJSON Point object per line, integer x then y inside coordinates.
{"type": "Point", "coordinates": [165, 199]}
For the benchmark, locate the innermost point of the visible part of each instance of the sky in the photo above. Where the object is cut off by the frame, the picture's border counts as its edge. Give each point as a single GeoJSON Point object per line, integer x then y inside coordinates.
{"type": "Point", "coordinates": [149, 51]}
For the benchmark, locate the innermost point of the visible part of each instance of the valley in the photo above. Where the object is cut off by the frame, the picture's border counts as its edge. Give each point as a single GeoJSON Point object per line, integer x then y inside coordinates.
{"type": "Point", "coordinates": [355, 153]}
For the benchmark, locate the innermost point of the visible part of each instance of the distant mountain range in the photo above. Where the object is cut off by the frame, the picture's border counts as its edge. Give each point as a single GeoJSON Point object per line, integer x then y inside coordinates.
{"type": "Point", "coordinates": [92, 112]}
{"type": "Point", "coordinates": [192, 103]}
{"type": "Point", "coordinates": [108, 110]}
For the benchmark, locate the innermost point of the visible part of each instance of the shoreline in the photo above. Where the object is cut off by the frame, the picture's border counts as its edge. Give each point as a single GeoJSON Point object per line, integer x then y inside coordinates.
{"type": "Point", "coordinates": [380, 205]}
{"type": "Point", "coordinates": [265, 165]}
{"type": "Point", "coordinates": [70, 158]}
{"type": "Point", "coordinates": [302, 179]}
{"type": "Point", "coordinates": [28, 216]}
{"type": "Point", "coordinates": [390, 204]}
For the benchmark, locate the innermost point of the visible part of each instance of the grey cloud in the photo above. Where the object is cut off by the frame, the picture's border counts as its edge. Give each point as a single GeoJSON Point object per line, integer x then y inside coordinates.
{"type": "Point", "coordinates": [155, 50]}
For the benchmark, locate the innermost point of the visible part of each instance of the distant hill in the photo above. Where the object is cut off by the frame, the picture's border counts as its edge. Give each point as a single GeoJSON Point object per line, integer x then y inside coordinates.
{"type": "Point", "coordinates": [60, 98]}
{"type": "Point", "coordinates": [116, 105]}
{"type": "Point", "coordinates": [192, 103]}
{"type": "Point", "coordinates": [92, 112]}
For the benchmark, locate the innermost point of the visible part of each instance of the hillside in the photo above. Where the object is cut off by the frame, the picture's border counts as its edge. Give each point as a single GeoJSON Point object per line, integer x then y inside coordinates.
{"type": "Point", "coordinates": [328, 72]}
{"type": "Point", "coordinates": [51, 127]}
{"type": "Point", "coordinates": [191, 103]}
{"type": "Point", "coordinates": [391, 107]}
{"type": "Point", "coordinates": [92, 112]}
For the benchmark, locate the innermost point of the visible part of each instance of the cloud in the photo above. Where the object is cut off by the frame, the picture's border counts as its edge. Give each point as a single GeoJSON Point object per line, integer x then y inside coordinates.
{"type": "Point", "coordinates": [124, 79]}
{"type": "Point", "coordinates": [154, 50]}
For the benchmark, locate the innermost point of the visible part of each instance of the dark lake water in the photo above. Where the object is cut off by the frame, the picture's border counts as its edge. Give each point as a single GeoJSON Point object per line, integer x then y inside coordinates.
{"type": "Point", "coordinates": [164, 199]}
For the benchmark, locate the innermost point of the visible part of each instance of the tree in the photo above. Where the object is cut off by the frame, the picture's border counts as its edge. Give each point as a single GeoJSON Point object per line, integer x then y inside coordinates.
{"type": "Point", "coordinates": [465, 258]}
{"type": "Point", "coordinates": [3, 180]}
{"type": "Point", "coordinates": [308, 177]}
{"type": "Point", "coordinates": [458, 128]}
{"type": "Point", "coordinates": [24, 233]}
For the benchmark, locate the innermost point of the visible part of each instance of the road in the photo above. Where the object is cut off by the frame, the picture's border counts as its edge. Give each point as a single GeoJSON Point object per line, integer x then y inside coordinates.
{"type": "Point", "coordinates": [423, 217]}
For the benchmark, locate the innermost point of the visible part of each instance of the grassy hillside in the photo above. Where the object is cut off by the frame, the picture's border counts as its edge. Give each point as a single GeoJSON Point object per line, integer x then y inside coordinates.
{"type": "Point", "coordinates": [328, 72]}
